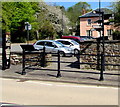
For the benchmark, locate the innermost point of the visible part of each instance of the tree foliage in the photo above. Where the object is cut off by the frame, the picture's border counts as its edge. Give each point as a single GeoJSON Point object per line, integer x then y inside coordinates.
{"type": "Point", "coordinates": [116, 9]}
{"type": "Point", "coordinates": [75, 11]}
{"type": "Point", "coordinates": [45, 27]}
{"type": "Point", "coordinates": [46, 21]}
{"type": "Point", "coordinates": [14, 16]}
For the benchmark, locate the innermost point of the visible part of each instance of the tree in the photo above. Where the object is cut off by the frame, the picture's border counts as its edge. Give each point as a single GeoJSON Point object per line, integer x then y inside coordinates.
{"type": "Point", "coordinates": [45, 27]}
{"type": "Point", "coordinates": [77, 10]}
{"type": "Point", "coordinates": [116, 9]}
{"type": "Point", "coordinates": [15, 14]}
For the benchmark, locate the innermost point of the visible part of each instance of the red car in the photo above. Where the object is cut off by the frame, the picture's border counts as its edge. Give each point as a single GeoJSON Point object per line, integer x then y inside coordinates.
{"type": "Point", "coordinates": [75, 38]}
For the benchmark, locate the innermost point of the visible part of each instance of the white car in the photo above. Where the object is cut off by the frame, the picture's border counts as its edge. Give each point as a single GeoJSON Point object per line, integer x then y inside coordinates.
{"type": "Point", "coordinates": [53, 46]}
{"type": "Point", "coordinates": [70, 43]}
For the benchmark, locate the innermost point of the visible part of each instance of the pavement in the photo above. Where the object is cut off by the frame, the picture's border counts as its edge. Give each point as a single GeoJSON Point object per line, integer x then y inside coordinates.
{"type": "Point", "coordinates": [68, 75]}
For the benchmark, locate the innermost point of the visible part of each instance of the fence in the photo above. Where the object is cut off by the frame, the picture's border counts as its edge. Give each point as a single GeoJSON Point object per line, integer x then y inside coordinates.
{"type": "Point", "coordinates": [80, 59]}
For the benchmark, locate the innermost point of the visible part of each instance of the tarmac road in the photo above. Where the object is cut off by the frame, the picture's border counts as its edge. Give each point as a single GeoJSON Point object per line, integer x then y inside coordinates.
{"type": "Point", "coordinates": [52, 93]}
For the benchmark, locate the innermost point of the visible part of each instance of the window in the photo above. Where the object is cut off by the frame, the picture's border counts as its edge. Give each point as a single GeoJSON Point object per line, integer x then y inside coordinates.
{"type": "Point", "coordinates": [109, 32]}
{"type": "Point", "coordinates": [65, 42]}
{"type": "Point", "coordinates": [89, 33]}
{"type": "Point", "coordinates": [40, 43]}
{"type": "Point", "coordinates": [50, 44]}
{"type": "Point", "coordinates": [89, 21]}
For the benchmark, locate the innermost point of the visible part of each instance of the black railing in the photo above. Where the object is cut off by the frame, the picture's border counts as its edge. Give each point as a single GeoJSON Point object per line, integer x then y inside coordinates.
{"type": "Point", "coordinates": [42, 53]}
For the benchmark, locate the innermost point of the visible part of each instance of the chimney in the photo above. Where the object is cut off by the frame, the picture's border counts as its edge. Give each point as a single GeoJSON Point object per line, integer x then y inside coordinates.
{"type": "Point", "coordinates": [83, 11]}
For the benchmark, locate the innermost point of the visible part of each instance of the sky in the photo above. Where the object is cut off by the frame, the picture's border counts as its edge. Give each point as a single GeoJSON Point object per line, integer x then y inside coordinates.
{"type": "Point", "coordinates": [93, 5]}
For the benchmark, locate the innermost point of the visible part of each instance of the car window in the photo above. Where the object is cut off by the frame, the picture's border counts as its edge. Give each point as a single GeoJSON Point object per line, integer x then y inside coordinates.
{"type": "Point", "coordinates": [77, 40]}
{"type": "Point", "coordinates": [59, 44]}
{"type": "Point", "coordinates": [65, 42]}
{"type": "Point", "coordinates": [76, 43]}
{"type": "Point", "coordinates": [40, 43]}
{"type": "Point", "coordinates": [50, 44]}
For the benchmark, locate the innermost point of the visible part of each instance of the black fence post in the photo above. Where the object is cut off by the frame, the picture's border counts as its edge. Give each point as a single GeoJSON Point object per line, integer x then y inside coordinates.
{"type": "Point", "coordinates": [23, 62]}
{"type": "Point", "coordinates": [98, 54]}
{"type": "Point", "coordinates": [58, 74]}
{"type": "Point", "coordinates": [79, 52]}
{"type": "Point", "coordinates": [102, 67]}
{"type": "Point", "coordinates": [78, 59]}
{"type": "Point", "coordinates": [3, 51]}
{"type": "Point", "coordinates": [43, 57]}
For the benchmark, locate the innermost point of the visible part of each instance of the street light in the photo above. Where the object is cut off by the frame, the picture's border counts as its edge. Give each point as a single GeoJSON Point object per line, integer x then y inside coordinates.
{"type": "Point", "coordinates": [101, 21]}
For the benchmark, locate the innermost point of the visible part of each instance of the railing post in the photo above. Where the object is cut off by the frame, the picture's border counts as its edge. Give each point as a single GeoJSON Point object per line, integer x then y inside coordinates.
{"type": "Point", "coordinates": [79, 59]}
{"type": "Point", "coordinates": [58, 74]}
{"type": "Point", "coordinates": [23, 62]}
{"type": "Point", "coordinates": [102, 67]}
{"type": "Point", "coordinates": [43, 57]}
{"type": "Point", "coordinates": [98, 54]}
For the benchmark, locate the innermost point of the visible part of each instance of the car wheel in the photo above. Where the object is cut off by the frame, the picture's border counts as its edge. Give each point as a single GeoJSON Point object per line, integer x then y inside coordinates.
{"type": "Point", "coordinates": [62, 53]}
{"type": "Point", "coordinates": [76, 51]}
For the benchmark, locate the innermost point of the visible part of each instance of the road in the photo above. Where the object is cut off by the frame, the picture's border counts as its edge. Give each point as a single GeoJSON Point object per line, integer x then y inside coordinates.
{"type": "Point", "coordinates": [55, 93]}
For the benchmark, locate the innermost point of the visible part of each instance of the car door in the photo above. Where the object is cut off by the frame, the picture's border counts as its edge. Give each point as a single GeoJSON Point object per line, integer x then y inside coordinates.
{"type": "Point", "coordinates": [39, 45]}
{"type": "Point", "coordinates": [50, 47]}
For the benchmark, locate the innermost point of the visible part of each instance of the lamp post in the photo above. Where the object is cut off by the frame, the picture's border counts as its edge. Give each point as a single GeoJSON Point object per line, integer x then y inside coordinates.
{"type": "Point", "coordinates": [101, 22]}
{"type": "Point", "coordinates": [103, 50]}
{"type": "Point", "coordinates": [101, 14]}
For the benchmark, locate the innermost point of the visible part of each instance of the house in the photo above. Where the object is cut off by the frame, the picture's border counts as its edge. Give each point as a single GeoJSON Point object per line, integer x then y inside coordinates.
{"type": "Point", "coordinates": [90, 27]}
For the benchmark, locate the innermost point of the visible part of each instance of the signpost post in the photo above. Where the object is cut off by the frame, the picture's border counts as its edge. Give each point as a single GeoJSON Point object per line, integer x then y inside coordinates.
{"type": "Point", "coordinates": [27, 27]}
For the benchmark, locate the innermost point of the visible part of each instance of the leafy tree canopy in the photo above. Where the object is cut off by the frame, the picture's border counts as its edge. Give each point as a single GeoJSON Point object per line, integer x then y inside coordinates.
{"type": "Point", "coordinates": [116, 8]}
{"type": "Point", "coordinates": [75, 11]}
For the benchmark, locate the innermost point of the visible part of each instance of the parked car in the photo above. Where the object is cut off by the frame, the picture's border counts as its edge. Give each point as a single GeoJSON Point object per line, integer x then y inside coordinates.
{"type": "Point", "coordinates": [0, 42]}
{"type": "Point", "coordinates": [75, 38]}
{"type": "Point", "coordinates": [53, 46]}
{"type": "Point", "coordinates": [70, 43]}
{"type": "Point", "coordinates": [86, 37]}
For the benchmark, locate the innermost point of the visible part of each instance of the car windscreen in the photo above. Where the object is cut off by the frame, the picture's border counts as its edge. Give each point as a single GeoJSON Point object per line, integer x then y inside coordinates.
{"type": "Point", "coordinates": [59, 44]}
{"type": "Point", "coordinates": [76, 43]}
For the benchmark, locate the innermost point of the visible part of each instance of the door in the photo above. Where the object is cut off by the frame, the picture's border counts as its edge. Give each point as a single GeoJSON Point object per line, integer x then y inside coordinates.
{"type": "Point", "coordinates": [50, 47]}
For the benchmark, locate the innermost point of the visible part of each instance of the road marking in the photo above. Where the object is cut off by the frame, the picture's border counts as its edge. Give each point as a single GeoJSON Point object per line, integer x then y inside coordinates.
{"type": "Point", "coordinates": [68, 85]}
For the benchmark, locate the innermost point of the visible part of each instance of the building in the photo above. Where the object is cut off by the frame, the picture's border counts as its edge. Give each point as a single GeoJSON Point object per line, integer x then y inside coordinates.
{"type": "Point", "coordinates": [90, 27]}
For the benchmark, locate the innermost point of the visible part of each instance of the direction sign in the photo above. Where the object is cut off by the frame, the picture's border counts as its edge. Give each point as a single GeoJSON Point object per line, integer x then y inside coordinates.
{"type": "Point", "coordinates": [97, 26]}
{"type": "Point", "coordinates": [28, 27]}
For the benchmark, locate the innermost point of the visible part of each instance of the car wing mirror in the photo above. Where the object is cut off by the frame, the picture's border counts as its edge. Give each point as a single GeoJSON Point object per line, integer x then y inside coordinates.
{"type": "Point", "coordinates": [55, 46]}
{"type": "Point", "coordinates": [71, 45]}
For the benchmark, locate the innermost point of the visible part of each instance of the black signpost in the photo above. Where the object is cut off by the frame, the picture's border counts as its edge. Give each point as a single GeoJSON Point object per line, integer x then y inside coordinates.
{"type": "Point", "coordinates": [27, 27]}
{"type": "Point", "coordinates": [101, 28]}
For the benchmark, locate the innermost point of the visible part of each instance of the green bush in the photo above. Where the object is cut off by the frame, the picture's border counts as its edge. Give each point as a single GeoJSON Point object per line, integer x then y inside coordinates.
{"type": "Point", "coordinates": [116, 35]}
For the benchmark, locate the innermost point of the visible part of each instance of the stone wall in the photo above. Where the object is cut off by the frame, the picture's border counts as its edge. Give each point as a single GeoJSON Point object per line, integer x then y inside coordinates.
{"type": "Point", "coordinates": [31, 59]}
{"type": "Point", "coordinates": [91, 47]}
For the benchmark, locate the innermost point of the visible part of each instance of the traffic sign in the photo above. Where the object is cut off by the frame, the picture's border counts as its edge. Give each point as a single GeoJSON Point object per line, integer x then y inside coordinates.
{"type": "Point", "coordinates": [28, 27]}
{"type": "Point", "coordinates": [96, 26]}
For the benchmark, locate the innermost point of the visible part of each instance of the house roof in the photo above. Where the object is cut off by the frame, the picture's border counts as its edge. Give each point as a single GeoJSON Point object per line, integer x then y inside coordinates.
{"type": "Point", "coordinates": [93, 14]}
